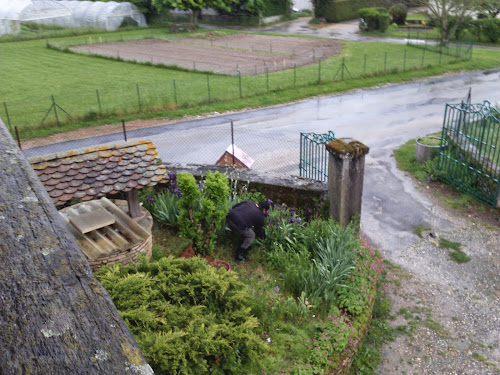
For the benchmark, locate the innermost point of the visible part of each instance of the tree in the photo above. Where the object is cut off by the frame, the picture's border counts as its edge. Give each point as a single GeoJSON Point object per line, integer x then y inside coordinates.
{"type": "Point", "coordinates": [55, 317]}
{"type": "Point", "coordinates": [449, 14]}
{"type": "Point", "coordinates": [195, 6]}
{"type": "Point", "coordinates": [492, 7]}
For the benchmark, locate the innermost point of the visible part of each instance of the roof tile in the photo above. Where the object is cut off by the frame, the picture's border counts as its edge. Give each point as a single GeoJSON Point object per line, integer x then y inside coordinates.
{"type": "Point", "coordinates": [96, 171]}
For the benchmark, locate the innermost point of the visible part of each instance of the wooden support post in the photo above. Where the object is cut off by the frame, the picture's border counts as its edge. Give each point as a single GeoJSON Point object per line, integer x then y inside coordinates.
{"type": "Point", "coordinates": [134, 206]}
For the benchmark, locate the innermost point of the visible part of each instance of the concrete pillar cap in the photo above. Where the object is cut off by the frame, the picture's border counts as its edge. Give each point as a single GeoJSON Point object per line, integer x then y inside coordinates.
{"type": "Point", "coordinates": [347, 147]}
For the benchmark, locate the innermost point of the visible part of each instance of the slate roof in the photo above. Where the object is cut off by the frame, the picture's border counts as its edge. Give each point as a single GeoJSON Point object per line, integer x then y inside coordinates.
{"type": "Point", "coordinates": [96, 171]}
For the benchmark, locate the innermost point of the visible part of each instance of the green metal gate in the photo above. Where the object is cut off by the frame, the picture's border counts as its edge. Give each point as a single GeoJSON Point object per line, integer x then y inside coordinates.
{"type": "Point", "coordinates": [470, 154]}
{"type": "Point", "coordinates": [313, 155]}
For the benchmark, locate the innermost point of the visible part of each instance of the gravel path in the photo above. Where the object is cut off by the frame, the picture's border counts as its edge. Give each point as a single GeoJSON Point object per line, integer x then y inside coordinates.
{"type": "Point", "coordinates": [448, 312]}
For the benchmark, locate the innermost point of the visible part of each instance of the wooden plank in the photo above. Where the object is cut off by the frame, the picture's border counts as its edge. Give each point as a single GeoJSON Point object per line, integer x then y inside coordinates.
{"type": "Point", "coordinates": [89, 221]}
{"type": "Point", "coordinates": [87, 246]}
{"type": "Point", "coordinates": [123, 219]}
{"type": "Point", "coordinates": [121, 242]}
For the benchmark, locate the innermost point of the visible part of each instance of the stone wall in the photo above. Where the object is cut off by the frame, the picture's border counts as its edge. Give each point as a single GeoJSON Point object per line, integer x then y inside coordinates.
{"type": "Point", "coordinates": [297, 192]}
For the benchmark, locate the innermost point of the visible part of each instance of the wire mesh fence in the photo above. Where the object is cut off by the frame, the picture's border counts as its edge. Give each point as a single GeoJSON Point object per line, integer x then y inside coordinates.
{"type": "Point", "coordinates": [31, 115]}
{"type": "Point", "coordinates": [270, 150]}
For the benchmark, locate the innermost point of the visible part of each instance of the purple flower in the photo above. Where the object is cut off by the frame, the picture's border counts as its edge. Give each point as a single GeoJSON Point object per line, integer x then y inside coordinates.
{"type": "Point", "coordinates": [172, 176]}
{"type": "Point", "coordinates": [201, 186]}
{"type": "Point", "coordinates": [149, 198]}
{"type": "Point", "coordinates": [460, 156]}
{"type": "Point", "coordinates": [269, 201]}
{"type": "Point", "coordinates": [429, 178]}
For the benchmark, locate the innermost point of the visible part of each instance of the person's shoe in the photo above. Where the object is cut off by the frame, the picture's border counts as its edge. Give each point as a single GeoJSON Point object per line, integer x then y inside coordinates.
{"type": "Point", "coordinates": [240, 255]}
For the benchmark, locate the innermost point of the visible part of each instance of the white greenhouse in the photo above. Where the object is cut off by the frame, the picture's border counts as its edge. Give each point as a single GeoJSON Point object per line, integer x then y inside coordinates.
{"type": "Point", "coordinates": [105, 15]}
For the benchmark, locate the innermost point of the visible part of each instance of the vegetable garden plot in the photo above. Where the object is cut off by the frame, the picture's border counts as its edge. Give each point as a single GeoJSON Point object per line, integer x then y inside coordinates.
{"type": "Point", "coordinates": [247, 54]}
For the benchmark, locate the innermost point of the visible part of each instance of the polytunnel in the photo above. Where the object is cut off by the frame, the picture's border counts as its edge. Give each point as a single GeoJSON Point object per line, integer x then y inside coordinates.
{"type": "Point", "coordinates": [105, 15]}
{"type": "Point", "coordinates": [13, 12]}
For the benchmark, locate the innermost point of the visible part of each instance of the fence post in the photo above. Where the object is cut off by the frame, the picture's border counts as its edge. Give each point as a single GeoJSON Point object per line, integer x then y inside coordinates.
{"type": "Point", "coordinates": [294, 74]}
{"type": "Point", "coordinates": [98, 100]}
{"type": "Point", "coordinates": [18, 139]}
{"type": "Point", "coordinates": [346, 165]}
{"type": "Point", "coordinates": [239, 82]}
{"type": "Point", "coordinates": [124, 130]}
{"type": "Point", "coordinates": [319, 71]}
{"type": "Point", "coordinates": [208, 87]}
{"type": "Point", "coordinates": [404, 62]}
{"type": "Point", "coordinates": [7, 113]}
{"type": "Point", "coordinates": [267, 79]}
{"type": "Point", "coordinates": [55, 109]}
{"type": "Point", "coordinates": [175, 93]}
{"type": "Point", "coordinates": [138, 96]}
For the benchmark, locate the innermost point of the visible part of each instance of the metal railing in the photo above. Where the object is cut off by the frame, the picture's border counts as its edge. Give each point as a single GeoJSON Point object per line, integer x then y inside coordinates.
{"type": "Point", "coordinates": [313, 155]}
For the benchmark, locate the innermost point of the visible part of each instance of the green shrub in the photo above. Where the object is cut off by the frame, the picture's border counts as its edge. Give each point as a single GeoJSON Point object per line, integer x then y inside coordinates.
{"type": "Point", "coordinates": [398, 13]}
{"type": "Point", "coordinates": [187, 317]}
{"type": "Point", "coordinates": [491, 29]}
{"type": "Point", "coordinates": [202, 208]}
{"type": "Point", "coordinates": [375, 18]}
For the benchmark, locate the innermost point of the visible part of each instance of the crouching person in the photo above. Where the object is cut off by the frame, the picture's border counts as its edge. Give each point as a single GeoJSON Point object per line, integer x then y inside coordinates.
{"type": "Point", "coordinates": [242, 218]}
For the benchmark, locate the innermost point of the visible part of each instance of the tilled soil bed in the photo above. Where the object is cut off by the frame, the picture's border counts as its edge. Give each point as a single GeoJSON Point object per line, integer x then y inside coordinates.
{"type": "Point", "coordinates": [248, 54]}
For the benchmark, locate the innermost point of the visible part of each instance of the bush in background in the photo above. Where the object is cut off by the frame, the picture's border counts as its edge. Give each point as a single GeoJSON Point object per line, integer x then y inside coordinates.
{"type": "Point", "coordinates": [375, 18]}
{"type": "Point", "coordinates": [398, 12]}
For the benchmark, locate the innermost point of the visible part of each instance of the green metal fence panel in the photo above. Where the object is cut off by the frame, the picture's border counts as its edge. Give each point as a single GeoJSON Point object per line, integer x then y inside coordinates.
{"type": "Point", "coordinates": [313, 155]}
{"type": "Point", "coordinates": [470, 154]}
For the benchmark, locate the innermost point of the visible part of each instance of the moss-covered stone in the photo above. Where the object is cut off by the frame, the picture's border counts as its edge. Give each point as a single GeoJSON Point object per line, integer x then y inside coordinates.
{"type": "Point", "coordinates": [353, 148]}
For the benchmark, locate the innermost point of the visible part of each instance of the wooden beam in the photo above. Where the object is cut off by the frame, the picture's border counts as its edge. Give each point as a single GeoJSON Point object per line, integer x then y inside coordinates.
{"type": "Point", "coordinates": [134, 205]}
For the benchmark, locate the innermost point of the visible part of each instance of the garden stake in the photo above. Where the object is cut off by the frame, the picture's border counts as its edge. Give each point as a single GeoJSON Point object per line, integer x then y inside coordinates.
{"type": "Point", "coordinates": [404, 62]}
{"type": "Point", "coordinates": [124, 130]}
{"type": "Point", "coordinates": [7, 113]}
{"type": "Point", "coordinates": [385, 62]}
{"type": "Point", "coordinates": [364, 65]}
{"type": "Point", "coordinates": [423, 57]}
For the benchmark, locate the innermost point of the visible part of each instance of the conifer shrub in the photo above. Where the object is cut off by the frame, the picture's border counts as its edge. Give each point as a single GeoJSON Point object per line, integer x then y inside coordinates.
{"type": "Point", "coordinates": [202, 209]}
{"type": "Point", "coordinates": [187, 317]}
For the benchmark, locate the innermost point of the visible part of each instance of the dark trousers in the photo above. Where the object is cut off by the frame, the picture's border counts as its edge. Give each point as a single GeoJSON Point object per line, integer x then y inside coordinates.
{"type": "Point", "coordinates": [247, 234]}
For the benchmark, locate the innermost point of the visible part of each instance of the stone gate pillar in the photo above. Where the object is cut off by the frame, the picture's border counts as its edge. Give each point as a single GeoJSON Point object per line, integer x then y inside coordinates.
{"type": "Point", "coordinates": [346, 168]}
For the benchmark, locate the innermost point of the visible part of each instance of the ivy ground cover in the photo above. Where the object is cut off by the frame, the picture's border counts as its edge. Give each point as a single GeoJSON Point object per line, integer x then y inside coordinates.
{"type": "Point", "coordinates": [297, 307]}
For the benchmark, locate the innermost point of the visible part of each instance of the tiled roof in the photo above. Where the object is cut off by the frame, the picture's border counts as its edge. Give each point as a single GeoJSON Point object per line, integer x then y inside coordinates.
{"type": "Point", "coordinates": [93, 172]}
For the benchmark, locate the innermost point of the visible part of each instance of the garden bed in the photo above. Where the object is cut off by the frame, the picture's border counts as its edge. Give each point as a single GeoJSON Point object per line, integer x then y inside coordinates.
{"type": "Point", "coordinates": [302, 305]}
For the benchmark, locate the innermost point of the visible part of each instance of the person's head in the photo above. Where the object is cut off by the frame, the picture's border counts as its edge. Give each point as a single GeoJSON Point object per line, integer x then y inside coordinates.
{"type": "Point", "coordinates": [264, 206]}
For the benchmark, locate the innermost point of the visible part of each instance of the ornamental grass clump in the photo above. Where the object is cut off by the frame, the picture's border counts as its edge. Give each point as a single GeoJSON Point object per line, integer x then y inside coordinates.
{"type": "Point", "coordinates": [187, 317]}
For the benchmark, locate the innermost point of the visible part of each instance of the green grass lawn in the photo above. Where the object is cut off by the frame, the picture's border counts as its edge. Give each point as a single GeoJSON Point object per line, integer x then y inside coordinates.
{"type": "Point", "coordinates": [94, 90]}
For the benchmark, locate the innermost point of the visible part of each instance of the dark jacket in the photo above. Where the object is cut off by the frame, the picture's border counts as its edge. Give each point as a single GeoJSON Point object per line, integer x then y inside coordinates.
{"type": "Point", "coordinates": [247, 215]}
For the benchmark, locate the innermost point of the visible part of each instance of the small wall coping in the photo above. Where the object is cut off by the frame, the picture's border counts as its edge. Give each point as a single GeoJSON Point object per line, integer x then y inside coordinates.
{"type": "Point", "coordinates": [347, 147]}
